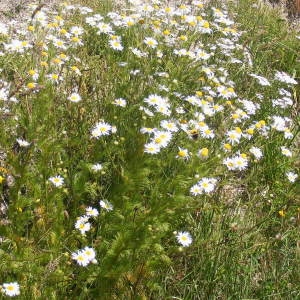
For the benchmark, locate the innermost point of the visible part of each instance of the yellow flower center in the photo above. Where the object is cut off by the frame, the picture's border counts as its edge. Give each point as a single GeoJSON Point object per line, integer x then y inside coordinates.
{"type": "Point", "coordinates": [31, 85]}
{"type": "Point", "coordinates": [206, 25]}
{"type": "Point", "coordinates": [204, 152]}
{"type": "Point", "coordinates": [75, 39]}
{"type": "Point", "coordinates": [182, 153]}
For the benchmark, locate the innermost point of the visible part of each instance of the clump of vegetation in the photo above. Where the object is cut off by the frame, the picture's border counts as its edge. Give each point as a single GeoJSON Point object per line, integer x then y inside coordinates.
{"type": "Point", "coordinates": [149, 153]}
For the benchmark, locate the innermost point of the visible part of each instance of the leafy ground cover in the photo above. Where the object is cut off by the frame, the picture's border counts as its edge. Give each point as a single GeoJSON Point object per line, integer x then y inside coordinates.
{"type": "Point", "coordinates": [150, 152]}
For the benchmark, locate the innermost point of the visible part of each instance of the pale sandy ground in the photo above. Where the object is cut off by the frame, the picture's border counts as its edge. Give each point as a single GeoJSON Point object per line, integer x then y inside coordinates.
{"type": "Point", "coordinates": [15, 5]}
{"type": "Point", "coordinates": [18, 9]}
{"type": "Point", "coordinates": [12, 9]}
{"type": "Point", "coordinates": [8, 4]}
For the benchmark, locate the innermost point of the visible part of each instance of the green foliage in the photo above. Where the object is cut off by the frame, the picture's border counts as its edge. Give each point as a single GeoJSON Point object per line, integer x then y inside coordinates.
{"type": "Point", "coordinates": [87, 164]}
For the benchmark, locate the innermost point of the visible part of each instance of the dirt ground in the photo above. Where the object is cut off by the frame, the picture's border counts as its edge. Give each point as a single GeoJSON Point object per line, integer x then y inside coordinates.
{"type": "Point", "coordinates": [8, 4]}
{"type": "Point", "coordinates": [18, 9]}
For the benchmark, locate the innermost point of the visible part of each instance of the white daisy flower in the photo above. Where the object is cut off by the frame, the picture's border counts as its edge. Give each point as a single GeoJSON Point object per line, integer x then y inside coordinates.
{"type": "Point", "coordinates": [169, 125]}
{"type": "Point", "coordinates": [148, 130]}
{"type": "Point", "coordinates": [23, 143]}
{"type": "Point", "coordinates": [3, 29]}
{"type": "Point", "coordinates": [106, 205]}
{"type": "Point", "coordinates": [256, 152]}
{"type": "Point", "coordinates": [183, 153]}
{"type": "Point", "coordinates": [11, 289]}
{"type": "Point", "coordinates": [196, 190]}
{"type": "Point", "coordinates": [104, 28]}
{"type": "Point", "coordinates": [240, 162]}
{"type": "Point", "coordinates": [58, 181]}
{"type": "Point", "coordinates": [261, 80]}
{"type": "Point", "coordinates": [152, 43]}
{"type": "Point", "coordinates": [90, 254]}
{"type": "Point", "coordinates": [284, 77]}
{"type": "Point", "coordinates": [152, 148]}
{"type": "Point", "coordinates": [81, 258]}
{"type": "Point", "coordinates": [120, 102]}
{"type": "Point", "coordinates": [116, 45]}
{"type": "Point", "coordinates": [97, 167]}
{"type": "Point", "coordinates": [286, 152]}
{"type": "Point", "coordinates": [184, 238]}
{"type": "Point", "coordinates": [91, 212]}
{"type": "Point", "coordinates": [207, 184]}
{"type": "Point", "coordinates": [74, 97]}
{"type": "Point", "coordinates": [291, 176]}
{"type": "Point", "coordinates": [100, 129]}
{"type": "Point", "coordinates": [207, 133]}
{"type": "Point", "coordinates": [162, 138]}
{"type": "Point", "coordinates": [229, 163]}
{"type": "Point", "coordinates": [83, 227]}
{"type": "Point", "coordinates": [76, 30]}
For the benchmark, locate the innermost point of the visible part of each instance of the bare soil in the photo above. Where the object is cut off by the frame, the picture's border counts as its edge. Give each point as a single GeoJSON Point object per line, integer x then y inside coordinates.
{"type": "Point", "coordinates": [18, 9]}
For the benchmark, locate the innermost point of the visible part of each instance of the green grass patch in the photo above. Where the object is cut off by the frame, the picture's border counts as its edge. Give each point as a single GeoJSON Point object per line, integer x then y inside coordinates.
{"type": "Point", "coordinates": [150, 152]}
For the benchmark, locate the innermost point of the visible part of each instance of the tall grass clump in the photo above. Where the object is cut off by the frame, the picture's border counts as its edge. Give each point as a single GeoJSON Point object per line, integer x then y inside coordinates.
{"type": "Point", "coordinates": [149, 152]}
